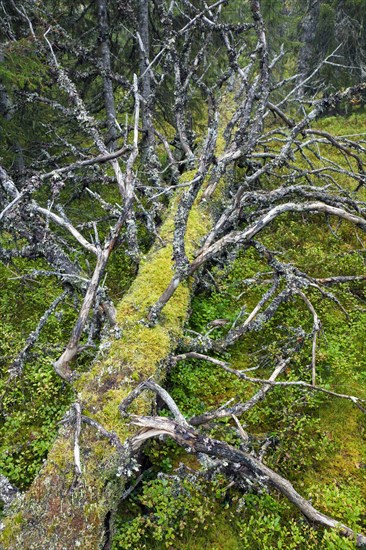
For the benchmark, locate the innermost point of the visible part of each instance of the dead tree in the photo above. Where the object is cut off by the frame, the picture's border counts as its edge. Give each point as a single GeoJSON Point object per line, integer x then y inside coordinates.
{"type": "Point", "coordinates": [248, 121]}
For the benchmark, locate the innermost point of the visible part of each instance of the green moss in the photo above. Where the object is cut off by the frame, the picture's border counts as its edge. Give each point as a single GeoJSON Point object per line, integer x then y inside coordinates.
{"type": "Point", "coordinates": [11, 530]}
{"type": "Point", "coordinates": [136, 355]}
{"type": "Point", "coordinates": [319, 441]}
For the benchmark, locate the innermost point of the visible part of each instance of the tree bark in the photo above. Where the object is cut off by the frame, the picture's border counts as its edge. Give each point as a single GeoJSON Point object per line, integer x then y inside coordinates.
{"type": "Point", "coordinates": [307, 32]}
{"type": "Point", "coordinates": [145, 77]}
{"type": "Point", "coordinates": [6, 109]}
{"type": "Point", "coordinates": [105, 55]}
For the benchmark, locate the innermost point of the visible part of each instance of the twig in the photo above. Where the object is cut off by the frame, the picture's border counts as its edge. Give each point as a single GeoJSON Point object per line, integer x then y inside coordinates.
{"type": "Point", "coordinates": [76, 438]}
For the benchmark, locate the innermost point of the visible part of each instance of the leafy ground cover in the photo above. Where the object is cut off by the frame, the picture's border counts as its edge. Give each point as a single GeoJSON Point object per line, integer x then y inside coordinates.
{"type": "Point", "coordinates": [317, 441]}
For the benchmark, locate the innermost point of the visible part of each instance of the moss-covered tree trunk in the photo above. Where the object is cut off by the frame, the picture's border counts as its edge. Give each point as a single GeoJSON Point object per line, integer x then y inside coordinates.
{"type": "Point", "coordinates": [64, 511]}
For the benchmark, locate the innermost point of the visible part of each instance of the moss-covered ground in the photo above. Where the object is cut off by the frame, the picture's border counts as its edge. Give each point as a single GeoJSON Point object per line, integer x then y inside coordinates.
{"type": "Point", "coordinates": [318, 441]}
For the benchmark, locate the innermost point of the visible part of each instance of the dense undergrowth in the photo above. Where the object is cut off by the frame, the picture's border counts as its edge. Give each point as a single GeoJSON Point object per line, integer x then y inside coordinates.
{"type": "Point", "coordinates": [318, 442]}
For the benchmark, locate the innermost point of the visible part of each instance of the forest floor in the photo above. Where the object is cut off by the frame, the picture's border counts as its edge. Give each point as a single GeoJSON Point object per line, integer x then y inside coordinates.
{"type": "Point", "coordinates": [317, 441]}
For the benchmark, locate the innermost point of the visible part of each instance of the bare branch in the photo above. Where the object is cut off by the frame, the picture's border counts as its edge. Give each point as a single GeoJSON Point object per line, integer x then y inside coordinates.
{"type": "Point", "coordinates": [189, 438]}
{"type": "Point", "coordinates": [76, 438]}
{"type": "Point", "coordinates": [151, 385]}
{"type": "Point", "coordinates": [65, 224]}
{"type": "Point", "coordinates": [18, 364]}
{"type": "Point", "coordinates": [316, 328]}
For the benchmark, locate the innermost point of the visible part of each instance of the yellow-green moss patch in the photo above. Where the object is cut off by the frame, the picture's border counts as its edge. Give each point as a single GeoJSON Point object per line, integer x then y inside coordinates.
{"type": "Point", "coordinates": [137, 354]}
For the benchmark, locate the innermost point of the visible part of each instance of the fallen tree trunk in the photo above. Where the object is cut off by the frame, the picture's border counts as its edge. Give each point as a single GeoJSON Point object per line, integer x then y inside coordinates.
{"type": "Point", "coordinates": [65, 509]}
